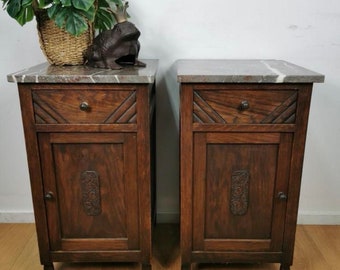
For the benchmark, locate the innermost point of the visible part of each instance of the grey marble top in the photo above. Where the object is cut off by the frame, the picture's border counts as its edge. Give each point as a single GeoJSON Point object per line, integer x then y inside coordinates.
{"type": "Point", "coordinates": [46, 73]}
{"type": "Point", "coordinates": [244, 71]}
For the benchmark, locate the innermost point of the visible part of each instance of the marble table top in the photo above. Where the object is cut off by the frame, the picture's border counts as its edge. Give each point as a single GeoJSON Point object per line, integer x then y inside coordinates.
{"type": "Point", "coordinates": [46, 73]}
{"type": "Point", "coordinates": [244, 71]}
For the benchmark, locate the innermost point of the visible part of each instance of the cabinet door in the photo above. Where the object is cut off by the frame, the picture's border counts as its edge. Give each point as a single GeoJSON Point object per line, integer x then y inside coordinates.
{"type": "Point", "coordinates": [239, 187]}
{"type": "Point", "coordinates": [90, 186]}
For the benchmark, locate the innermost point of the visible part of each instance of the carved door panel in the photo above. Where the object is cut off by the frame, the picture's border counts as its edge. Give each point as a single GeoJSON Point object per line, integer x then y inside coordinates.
{"type": "Point", "coordinates": [239, 187]}
{"type": "Point", "coordinates": [90, 186]}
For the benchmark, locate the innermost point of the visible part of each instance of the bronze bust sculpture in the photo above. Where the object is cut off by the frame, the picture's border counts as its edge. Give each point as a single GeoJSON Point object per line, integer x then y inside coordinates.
{"type": "Point", "coordinates": [115, 48]}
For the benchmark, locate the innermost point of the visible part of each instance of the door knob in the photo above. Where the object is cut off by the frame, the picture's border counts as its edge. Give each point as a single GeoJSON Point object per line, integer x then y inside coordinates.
{"type": "Point", "coordinates": [282, 196]}
{"type": "Point", "coordinates": [49, 196]}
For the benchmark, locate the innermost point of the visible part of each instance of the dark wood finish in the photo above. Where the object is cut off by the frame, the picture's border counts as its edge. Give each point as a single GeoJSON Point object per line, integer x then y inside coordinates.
{"type": "Point", "coordinates": [90, 160]}
{"type": "Point", "coordinates": [84, 106]}
{"type": "Point", "coordinates": [244, 106]}
{"type": "Point", "coordinates": [241, 157]}
{"type": "Point", "coordinates": [146, 267]}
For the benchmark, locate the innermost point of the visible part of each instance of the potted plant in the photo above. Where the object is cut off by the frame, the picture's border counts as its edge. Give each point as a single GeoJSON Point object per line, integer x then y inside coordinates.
{"type": "Point", "coordinates": [64, 26]}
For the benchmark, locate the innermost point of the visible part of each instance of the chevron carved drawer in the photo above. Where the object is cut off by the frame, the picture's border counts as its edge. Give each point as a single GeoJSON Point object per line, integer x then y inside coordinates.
{"type": "Point", "coordinates": [244, 106]}
{"type": "Point", "coordinates": [81, 106]}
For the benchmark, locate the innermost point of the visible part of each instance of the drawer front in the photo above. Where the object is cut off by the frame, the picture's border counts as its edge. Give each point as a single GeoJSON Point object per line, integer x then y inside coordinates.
{"type": "Point", "coordinates": [244, 106]}
{"type": "Point", "coordinates": [84, 106]}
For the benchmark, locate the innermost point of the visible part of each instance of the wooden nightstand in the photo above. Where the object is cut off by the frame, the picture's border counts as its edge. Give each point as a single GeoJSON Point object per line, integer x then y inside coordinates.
{"type": "Point", "coordinates": [242, 134]}
{"type": "Point", "coordinates": [90, 146]}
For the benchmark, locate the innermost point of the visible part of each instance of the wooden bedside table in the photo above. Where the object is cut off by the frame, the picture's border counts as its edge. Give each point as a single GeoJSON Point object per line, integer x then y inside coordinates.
{"type": "Point", "coordinates": [242, 134]}
{"type": "Point", "coordinates": [90, 146]}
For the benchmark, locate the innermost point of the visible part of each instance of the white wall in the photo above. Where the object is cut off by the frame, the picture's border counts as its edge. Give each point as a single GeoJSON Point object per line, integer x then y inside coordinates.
{"type": "Point", "coordinates": [305, 32]}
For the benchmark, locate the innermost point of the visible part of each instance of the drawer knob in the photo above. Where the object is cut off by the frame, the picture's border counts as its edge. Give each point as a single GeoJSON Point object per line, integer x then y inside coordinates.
{"type": "Point", "coordinates": [49, 196]}
{"type": "Point", "coordinates": [244, 105]}
{"type": "Point", "coordinates": [282, 196]}
{"type": "Point", "coordinates": [84, 106]}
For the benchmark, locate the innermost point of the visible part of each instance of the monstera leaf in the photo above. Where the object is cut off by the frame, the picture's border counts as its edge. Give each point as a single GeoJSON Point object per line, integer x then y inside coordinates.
{"type": "Point", "coordinates": [72, 15]}
{"type": "Point", "coordinates": [104, 19]}
{"type": "Point", "coordinates": [21, 11]}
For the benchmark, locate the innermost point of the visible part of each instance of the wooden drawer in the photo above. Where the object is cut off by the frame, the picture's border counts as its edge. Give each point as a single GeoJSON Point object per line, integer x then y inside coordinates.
{"type": "Point", "coordinates": [81, 106]}
{"type": "Point", "coordinates": [244, 106]}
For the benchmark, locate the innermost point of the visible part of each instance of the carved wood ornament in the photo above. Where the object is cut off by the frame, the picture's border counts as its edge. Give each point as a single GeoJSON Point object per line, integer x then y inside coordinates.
{"type": "Point", "coordinates": [239, 198]}
{"type": "Point", "coordinates": [91, 193]}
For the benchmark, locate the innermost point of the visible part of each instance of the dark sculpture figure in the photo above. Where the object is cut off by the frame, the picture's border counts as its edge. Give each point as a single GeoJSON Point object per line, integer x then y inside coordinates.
{"type": "Point", "coordinates": [115, 48]}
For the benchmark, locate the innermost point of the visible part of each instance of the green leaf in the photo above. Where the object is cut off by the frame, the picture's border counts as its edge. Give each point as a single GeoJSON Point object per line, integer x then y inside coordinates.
{"type": "Point", "coordinates": [90, 13]}
{"type": "Point", "coordinates": [53, 11]}
{"type": "Point", "coordinates": [4, 4]}
{"type": "Point", "coordinates": [21, 11]}
{"type": "Point", "coordinates": [74, 21]}
{"type": "Point", "coordinates": [83, 4]}
{"type": "Point", "coordinates": [104, 20]}
{"type": "Point", "coordinates": [25, 15]}
{"type": "Point", "coordinates": [76, 24]}
{"type": "Point", "coordinates": [118, 2]}
{"type": "Point", "coordinates": [72, 15]}
{"type": "Point", "coordinates": [66, 3]}
{"type": "Point", "coordinates": [103, 4]}
{"type": "Point", "coordinates": [43, 3]}
{"type": "Point", "coordinates": [13, 8]}
{"type": "Point", "coordinates": [26, 3]}
{"type": "Point", "coordinates": [60, 17]}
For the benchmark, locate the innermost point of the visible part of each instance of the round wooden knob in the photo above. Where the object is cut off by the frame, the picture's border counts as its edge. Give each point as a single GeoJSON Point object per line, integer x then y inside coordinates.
{"type": "Point", "coordinates": [84, 106]}
{"type": "Point", "coordinates": [49, 196]}
{"type": "Point", "coordinates": [244, 105]}
{"type": "Point", "coordinates": [282, 196]}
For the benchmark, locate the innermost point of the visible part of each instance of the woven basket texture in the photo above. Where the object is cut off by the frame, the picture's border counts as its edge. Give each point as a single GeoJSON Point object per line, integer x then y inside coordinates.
{"type": "Point", "coordinates": [60, 47]}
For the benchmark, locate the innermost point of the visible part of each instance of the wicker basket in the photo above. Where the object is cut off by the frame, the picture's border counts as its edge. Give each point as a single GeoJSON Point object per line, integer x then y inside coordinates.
{"type": "Point", "coordinates": [59, 47]}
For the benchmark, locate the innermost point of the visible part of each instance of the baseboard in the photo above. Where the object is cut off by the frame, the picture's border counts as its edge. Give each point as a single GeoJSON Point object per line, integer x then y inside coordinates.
{"type": "Point", "coordinates": [16, 217]}
{"type": "Point", "coordinates": [305, 217]}
{"type": "Point", "coordinates": [319, 218]}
